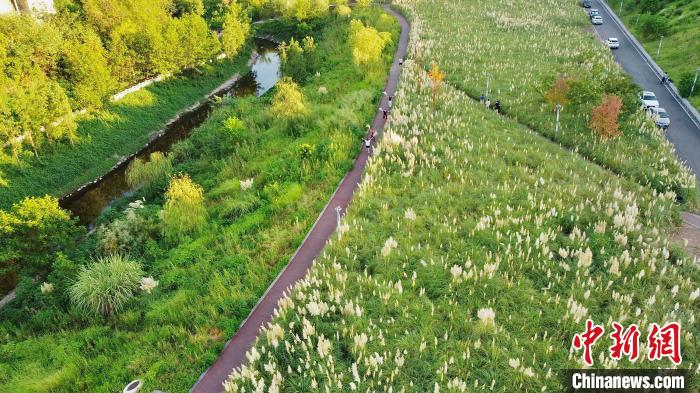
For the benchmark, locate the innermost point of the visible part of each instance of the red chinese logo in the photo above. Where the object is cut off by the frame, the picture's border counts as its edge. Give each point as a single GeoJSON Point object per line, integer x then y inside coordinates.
{"type": "Point", "coordinates": [586, 340]}
{"type": "Point", "coordinates": [665, 342]}
{"type": "Point", "coordinates": [662, 342]}
{"type": "Point", "coordinates": [625, 342]}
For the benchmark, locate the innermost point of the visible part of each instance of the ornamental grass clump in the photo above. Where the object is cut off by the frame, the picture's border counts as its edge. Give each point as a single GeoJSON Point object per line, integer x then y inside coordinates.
{"type": "Point", "coordinates": [104, 287]}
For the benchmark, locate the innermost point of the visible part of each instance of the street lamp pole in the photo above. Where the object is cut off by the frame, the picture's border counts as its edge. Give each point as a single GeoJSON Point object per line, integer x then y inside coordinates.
{"type": "Point", "coordinates": [661, 41]}
{"type": "Point", "coordinates": [488, 84]}
{"type": "Point", "coordinates": [556, 129]}
{"type": "Point", "coordinates": [695, 80]}
{"type": "Point", "coordinates": [621, 1]}
{"type": "Point", "coordinates": [338, 209]}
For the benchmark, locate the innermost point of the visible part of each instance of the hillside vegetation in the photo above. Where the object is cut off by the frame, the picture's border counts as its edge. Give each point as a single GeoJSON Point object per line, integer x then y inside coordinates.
{"type": "Point", "coordinates": [677, 21]}
{"type": "Point", "coordinates": [171, 271]}
{"type": "Point", "coordinates": [508, 45]}
{"type": "Point", "coordinates": [476, 248]}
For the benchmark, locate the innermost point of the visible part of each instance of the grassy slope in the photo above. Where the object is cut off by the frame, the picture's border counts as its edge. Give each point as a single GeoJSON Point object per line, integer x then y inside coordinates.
{"type": "Point", "coordinates": [681, 47]}
{"type": "Point", "coordinates": [485, 191]}
{"type": "Point", "coordinates": [209, 283]}
{"type": "Point", "coordinates": [474, 39]}
{"type": "Point", "coordinates": [105, 136]}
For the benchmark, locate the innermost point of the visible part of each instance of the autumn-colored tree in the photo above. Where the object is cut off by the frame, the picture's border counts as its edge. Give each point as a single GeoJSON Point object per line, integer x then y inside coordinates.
{"type": "Point", "coordinates": [604, 117]}
{"type": "Point", "coordinates": [236, 29]}
{"type": "Point", "coordinates": [184, 211]}
{"type": "Point", "coordinates": [366, 43]}
{"type": "Point", "coordinates": [557, 93]}
{"type": "Point", "coordinates": [436, 78]}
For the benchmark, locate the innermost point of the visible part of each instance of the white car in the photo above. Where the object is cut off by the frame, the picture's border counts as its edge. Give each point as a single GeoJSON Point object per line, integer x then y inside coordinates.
{"type": "Point", "coordinates": [648, 99]}
{"type": "Point", "coordinates": [612, 43]}
{"type": "Point", "coordinates": [661, 117]}
{"type": "Point", "coordinates": [597, 20]}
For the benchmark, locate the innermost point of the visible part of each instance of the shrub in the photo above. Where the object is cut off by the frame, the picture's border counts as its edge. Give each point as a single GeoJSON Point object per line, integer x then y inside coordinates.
{"type": "Point", "coordinates": [298, 59]}
{"type": "Point", "coordinates": [366, 43]}
{"type": "Point", "coordinates": [557, 94]}
{"type": "Point", "coordinates": [288, 102]}
{"type": "Point", "coordinates": [127, 234]}
{"type": "Point", "coordinates": [184, 210]}
{"type": "Point", "coordinates": [652, 26]}
{"type": "Point", "coordinates": [604, 117]}
{"type": "Point", "coordinates": [436, 76]}
{"type": "Point", "coordinates": [33, 231]}
{"type": "Point", "coordinates": [144, 173]}
{"type": "Point", "coordinates": [685, 83]}
{"type": "Point", "coordinates": [105, 287]}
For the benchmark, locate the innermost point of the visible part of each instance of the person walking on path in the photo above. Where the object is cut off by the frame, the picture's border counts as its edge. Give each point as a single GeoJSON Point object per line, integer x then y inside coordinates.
{"type": "Point", "coordinates": [385, 114]}
{"type": "Point", "coordinates": [390, 99]}
{"type": "Point", "coordinates": [368, 142]}
{"type": "Point", "coordinates": [664, 78]}
{"type": "Point", "coordinates": [497, 106]}
{"type": "Point", "coordinates": [488, 104]}
{"type": "Point", "coordinates": [400, 61]}
{"type": "Point", "coordinates": [482, 98]}
{"type": "Point", "coordinates": [233, 354]}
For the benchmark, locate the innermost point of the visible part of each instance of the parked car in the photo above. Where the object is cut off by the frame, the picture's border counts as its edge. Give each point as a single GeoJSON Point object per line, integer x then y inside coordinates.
{"type": "Point", "coordinates": [661, 117]}
{"type": "Point", "coordinates": [586, 3]}
{"type": "Point", "coordinates": [597, 20]}
{"type": "Point", "coordinates": [648, 99]}
{"type": "Point", "coordinates": [593, 12]}
{"type": "Point", "coordinates": [612, 43]}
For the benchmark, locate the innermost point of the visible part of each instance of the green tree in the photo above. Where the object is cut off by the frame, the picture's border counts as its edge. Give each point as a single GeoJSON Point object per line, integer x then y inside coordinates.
{"type": "Point", "coordinates": [366, 43]}
{"type": "Point", "coordinates": [288, 101]}
{"type": "Point", "coordinates": [33, 231]}
{"type": "Point", "coordinates": [236, 30]}
{"type": "Point", "coordinates": [183, 7]}
{"type": "Point", "coordinates": [184, 211]}
{"type": "Point", "coordinates": [652, 26]}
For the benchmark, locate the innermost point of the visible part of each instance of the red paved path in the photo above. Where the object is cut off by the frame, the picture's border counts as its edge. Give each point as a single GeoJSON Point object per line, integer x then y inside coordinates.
{"type": "Point", "coordinates": [233, 354]}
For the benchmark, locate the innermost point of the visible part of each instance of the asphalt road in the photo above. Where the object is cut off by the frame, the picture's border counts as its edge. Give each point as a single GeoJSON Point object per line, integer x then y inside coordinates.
{"type": "Point", "coordinates": [683, 132]}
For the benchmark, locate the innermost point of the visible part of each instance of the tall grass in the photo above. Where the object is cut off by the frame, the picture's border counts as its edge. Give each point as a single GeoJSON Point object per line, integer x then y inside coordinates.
{"type": "Point", "coordinates": [473, 252]}
{"type": "Point", "coordinates": [104, 287]}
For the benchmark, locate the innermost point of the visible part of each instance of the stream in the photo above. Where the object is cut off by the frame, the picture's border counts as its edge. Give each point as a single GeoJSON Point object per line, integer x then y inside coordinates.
{"type": "Point", "coordinates": [89, 201]}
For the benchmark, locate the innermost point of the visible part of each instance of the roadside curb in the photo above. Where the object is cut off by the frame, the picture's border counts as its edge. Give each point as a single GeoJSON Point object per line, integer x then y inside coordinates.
{"type": "Point", "coordinates": [687, 107]}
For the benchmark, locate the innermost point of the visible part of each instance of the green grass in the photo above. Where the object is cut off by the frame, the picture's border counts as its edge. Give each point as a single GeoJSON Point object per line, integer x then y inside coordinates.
{"type": "Point", "coordinates": [503, 221]}
{"type": "Point", "coordinates": [105, 136]}
{"type": "Point", "coordinates": [680, 51]}
{"type": "Point", "coordinates": [208, 283]}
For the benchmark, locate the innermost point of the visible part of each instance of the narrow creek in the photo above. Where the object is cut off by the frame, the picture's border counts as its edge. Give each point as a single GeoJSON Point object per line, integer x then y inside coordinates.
{"type": "Point", "coordinates": [89, 201]}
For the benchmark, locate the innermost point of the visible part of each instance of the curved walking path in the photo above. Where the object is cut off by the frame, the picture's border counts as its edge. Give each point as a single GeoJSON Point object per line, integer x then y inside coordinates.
{"type": "Point", "coordinates": [233, 355]}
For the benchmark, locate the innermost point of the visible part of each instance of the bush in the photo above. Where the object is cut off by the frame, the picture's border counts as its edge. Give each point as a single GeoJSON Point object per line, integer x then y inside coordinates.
{"type": "Point", "coordinates": [144, 173]}
{"type": "Point", "coordinates": [106, 286]}
{"type": "Point", "coordinates": [605, 115]}
{"type": "Point", "coordinates": [685, 83]}
{"type": "Point", "coordinates": [184, 212]}
{"type": "Point", "coordinates": [128, 234]}
{"type": "Point", "coordinates": [652, 26]}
